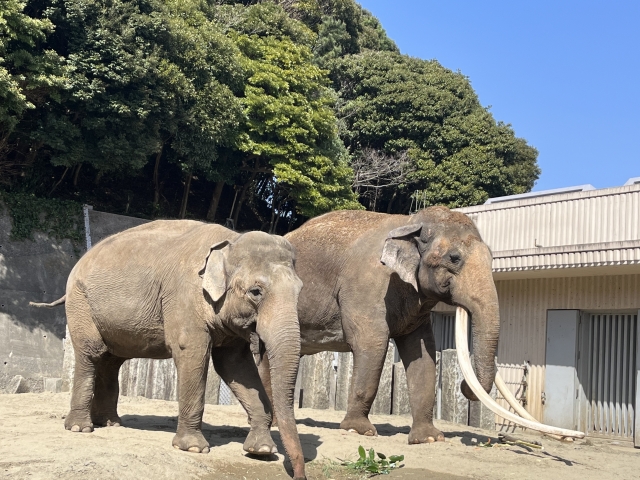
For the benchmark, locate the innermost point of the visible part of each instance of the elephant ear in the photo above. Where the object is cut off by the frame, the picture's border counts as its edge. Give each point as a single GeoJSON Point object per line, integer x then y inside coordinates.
{"type": "Point", "coordinates": [400, 253]}
{"type": "Point", "coordinates": [213, 272]}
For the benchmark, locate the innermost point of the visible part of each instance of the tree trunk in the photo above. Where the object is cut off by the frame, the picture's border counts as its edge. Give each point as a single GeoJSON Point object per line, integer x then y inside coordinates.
{"type": "Point", "coordinates": [185, 193]}
{"type": "Point", "coordinates": [75, 175]}
{"type": "Point", "coordinates": [243, 195]}
{"type": "Point", "coordinates": [64, 174]}
{"type": "Point", "coordinates": [393, 197]}
{"type": "Point", "coordinates": [156, 183]}
{"type": "Point", "coordinates": [215, 201]}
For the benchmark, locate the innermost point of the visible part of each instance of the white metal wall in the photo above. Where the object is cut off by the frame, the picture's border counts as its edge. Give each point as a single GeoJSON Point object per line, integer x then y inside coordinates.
{"type": "Point", "coordinates": [523, 314]}
{"type": "Point", "coordinates": [597, 216]}
{"type": "Point", "coordinates": [444, 330]}
{"type": "Point", "coordinates": [607, 374]}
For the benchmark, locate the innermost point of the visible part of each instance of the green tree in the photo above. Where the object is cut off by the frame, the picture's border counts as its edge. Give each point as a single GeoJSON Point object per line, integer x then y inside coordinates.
{"type": "Point", "coordinates": [290, 125]}
{"type": "Point", "coordinates": [202, 74]}
{"type": "Point", "coordinates": [289, 151]}
{"type": "Point", "coordinates": [394, 103]}
{"type": "Point", "coordinates": [29, 76]}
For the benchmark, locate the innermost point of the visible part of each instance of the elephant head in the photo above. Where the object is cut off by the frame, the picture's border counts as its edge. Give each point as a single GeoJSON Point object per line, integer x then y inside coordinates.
{"type": "Point", "coordinates": [440, 253]}
{"type": "Point", "coordinates": [254, 290]}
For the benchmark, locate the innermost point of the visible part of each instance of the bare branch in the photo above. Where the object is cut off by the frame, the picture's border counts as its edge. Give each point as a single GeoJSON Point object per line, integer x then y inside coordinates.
{"type": "Point", "coordinates": [374, 169]}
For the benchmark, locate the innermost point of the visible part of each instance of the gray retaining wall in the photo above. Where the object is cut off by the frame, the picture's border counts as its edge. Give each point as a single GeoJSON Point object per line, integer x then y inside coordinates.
{"type": "Point", "coordinates": [31, 339]}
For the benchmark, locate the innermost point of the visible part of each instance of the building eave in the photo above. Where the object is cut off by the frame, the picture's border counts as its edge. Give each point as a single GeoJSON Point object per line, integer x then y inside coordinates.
{"type": "Point", "coordinates": [570, 260]}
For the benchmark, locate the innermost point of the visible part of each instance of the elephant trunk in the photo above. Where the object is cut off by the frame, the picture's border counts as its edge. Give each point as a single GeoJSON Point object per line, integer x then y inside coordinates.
{"type": "Point", "coordinates": [476, 292]}
{"type": "Point", "coordinates": [281, 336]}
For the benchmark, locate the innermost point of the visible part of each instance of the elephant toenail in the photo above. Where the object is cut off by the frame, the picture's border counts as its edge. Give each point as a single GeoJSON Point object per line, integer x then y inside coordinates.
{"type": "Point", "coordinates": [352, 430]}
{"type": "Point", "coordinates": [87, 430]}
{"type": "Point", "coordinates": [176, 447]}
{"type": "Point", "coordinates": [194, 449]}
{"type": "Point", "coordinates": [430, 440]}
{"type": "Point", "coordinates": [75, 428]}
{"type": "Point", "coordinates": [274, 449]}
{"type": "Point", "coordinates": [369, 433]}
{"type": "Point", "coordinates": [205, 450]}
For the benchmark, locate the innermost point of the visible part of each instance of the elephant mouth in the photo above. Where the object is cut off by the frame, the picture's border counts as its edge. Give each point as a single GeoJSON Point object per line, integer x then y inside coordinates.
{"type": "Point", "coordinates": [526, 420]}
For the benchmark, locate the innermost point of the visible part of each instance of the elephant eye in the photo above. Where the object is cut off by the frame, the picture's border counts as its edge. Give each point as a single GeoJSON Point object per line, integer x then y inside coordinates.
{"type": "Point", "coordinates": [454, 258]}
{"type": "Point", "coordinates": [255, 293]}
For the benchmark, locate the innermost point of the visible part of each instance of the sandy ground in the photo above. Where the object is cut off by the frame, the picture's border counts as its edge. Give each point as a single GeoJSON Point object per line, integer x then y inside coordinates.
{"type": "Point", "coordinates": [35, 445]}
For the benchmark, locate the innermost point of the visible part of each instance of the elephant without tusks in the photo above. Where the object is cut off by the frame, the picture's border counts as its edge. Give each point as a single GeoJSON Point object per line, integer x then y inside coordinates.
{"type": "Point", "coordinates": [370, 277]}
{"type": "Point", "coordinates": [187, 290]}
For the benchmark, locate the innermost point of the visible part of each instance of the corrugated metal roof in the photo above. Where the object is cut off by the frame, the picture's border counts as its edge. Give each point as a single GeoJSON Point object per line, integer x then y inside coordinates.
{"type": "Point", "coordinates": [566, 230]}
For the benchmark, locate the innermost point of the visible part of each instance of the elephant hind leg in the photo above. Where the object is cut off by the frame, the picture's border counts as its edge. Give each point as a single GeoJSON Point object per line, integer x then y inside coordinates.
{"type": "Point", "coordinates": [104, 406]}
{"type": "Point", "coordinates": [89, 349]}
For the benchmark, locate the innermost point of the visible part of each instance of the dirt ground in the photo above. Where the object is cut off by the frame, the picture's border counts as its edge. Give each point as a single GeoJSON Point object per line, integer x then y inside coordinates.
{"type": "Point", "coordinates": [35, 445]}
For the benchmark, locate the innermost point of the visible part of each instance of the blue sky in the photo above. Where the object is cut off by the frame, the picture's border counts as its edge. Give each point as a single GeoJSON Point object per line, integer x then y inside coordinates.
{"type": "Point", "coordinates": [564, 74]}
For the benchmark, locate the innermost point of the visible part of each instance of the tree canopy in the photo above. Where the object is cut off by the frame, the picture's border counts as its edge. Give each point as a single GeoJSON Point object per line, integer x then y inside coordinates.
{"type": "Point", "coordinates": [394, 103]}
{"type": "Point", "coordinates": [257, 112]}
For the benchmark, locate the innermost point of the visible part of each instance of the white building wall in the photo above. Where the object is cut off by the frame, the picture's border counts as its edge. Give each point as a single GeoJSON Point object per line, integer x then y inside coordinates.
{"type": "Point", "coordinates": [523, 315]}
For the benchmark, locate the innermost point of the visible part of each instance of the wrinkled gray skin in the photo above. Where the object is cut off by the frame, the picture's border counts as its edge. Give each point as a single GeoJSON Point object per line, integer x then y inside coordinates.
{"type": "Point", "coordinates": [370, 277]}
{"type": "Point", "coordinates": [187, 290]}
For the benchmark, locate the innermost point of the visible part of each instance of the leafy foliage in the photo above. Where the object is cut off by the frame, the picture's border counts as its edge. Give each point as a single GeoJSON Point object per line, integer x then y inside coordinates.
{"type": "Point", "coordinates": [30, 75]}
{"type": "Point", "coordinates": [255, 112]}
{"type": "Point", "coordinates": [369, 464]}
{"type": "Point", "coordinates": [58, 218]}
{"type": "Point", "coordinates": [290, 124]}
{"type": "Point", "coordinates": [395, 103]}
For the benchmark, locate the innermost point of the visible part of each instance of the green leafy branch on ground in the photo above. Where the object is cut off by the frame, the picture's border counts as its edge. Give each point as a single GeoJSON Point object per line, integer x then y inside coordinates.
{"type": "Point", "coordinates": [371, 465]}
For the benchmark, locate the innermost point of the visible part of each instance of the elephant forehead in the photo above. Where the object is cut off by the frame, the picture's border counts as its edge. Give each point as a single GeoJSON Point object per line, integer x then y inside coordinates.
{"type": "Point", "coordinates": [260, 256]}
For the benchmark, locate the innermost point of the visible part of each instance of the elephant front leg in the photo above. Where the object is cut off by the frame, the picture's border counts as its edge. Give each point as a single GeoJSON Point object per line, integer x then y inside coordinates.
{"type": "Point", "coordinates": [368, 361]}
{"type": "Point", "coordinates": [418, 352]}
{"type": "Point", "coordinates": [236, 367]}
{"type": "Point", "coordinates": [264, 369]}
{"type": "Point", "coordinates": [192, 363]}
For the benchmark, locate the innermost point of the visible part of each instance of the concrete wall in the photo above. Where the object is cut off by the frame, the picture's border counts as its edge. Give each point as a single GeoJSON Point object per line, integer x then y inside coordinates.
{"type": "Point", "coordinates": [31, 339]}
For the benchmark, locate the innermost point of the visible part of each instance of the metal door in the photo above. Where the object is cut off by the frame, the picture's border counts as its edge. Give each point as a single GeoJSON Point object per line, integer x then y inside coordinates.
{"type": "Point", "coordinates": [607, 372]}
{"type": "Point", "coordinates": [560, 375]}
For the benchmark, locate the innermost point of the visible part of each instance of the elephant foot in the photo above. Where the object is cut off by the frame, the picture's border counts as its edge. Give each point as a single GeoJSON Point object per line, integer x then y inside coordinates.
{"type": "Point", "coordinates": [78, 422]}
{"type": "Point", "coordinates": [360, 425]}
{"type": "Point", "coordinates": [192, 441]}
{"type": "Point", "coordinates": [259, 443]}
{"type": "Point", "coordinates": [112, 420]}
{"type": "Point", "coordinates": [425, 434]}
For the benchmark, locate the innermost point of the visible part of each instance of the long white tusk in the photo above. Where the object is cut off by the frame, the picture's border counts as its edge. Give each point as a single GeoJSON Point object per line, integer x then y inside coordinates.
{"type": "Point", "coordinates": [511, 400]}
{"type": "Point", "coordinates": [515, 404]}
{"type": "Point", "coordinates": [462, 350]}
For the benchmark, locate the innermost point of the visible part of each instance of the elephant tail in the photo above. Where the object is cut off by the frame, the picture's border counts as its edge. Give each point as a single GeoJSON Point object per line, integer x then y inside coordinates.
{"type": "Point", "coordinates": [60, 301]}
